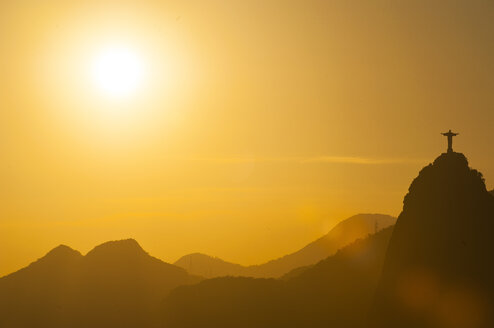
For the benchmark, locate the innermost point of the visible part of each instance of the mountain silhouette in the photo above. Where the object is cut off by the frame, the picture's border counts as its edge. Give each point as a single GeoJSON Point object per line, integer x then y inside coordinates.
{"type": "Point", "coordinates": [117, 284]}
{"type": "Point", "coordinates": [211, 267]}
{"type": "Point", "coordinates": [342, 234]}
{"type": "Point", "coordinates": [336, 292]}
{"type": "Point", "coordinates": [438, 270]}
{"type": "Point", "coordinates": [432, 269]}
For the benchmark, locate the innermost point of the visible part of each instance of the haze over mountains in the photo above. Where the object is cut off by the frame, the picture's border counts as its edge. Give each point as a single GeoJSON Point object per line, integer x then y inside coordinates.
{"type": "Point", "coordinates": [336, 292]}
{"type": "Point", "coordinates": [432, 269]}
{"type": "Point", "coordinates": [119, 284]}
{"type": "Point", "coordinates": [437, 270]}
{"type": "Point", "coordinates": [342, 234]}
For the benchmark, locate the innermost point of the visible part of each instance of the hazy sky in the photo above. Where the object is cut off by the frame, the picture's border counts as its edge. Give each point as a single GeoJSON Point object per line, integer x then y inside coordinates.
{"type": "Point", "coordinates": [257, 126]}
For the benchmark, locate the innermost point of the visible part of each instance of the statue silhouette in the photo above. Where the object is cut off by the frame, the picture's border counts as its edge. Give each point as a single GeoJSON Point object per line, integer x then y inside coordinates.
{"type": "Point", "coordinates": [450, 136]}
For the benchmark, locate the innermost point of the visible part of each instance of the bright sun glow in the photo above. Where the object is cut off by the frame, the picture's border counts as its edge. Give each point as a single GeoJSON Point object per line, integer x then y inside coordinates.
{"type": "Point", "coordinates": [118, 72]}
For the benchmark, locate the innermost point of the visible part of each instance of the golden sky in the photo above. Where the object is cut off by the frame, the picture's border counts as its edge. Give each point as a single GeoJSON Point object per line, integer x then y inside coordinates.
{"type": "Point", "coordinates": [256, 127]}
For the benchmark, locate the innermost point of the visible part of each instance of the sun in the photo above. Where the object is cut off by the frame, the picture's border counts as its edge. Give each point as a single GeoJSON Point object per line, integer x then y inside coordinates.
{"type": "Point", "coordinates": [118, 71]}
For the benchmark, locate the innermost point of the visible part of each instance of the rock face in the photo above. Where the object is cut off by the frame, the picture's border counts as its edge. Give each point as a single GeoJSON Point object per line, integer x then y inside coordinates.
{"type": "Point", "coordinates": [438, 270]}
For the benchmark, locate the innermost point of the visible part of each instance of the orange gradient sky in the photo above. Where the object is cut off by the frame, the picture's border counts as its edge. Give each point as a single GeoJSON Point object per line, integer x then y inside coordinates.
{"type": "Point", "coordinates": [257, 126]}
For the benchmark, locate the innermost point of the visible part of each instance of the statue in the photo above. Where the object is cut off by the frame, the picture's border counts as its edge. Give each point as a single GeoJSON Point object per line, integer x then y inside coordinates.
{"type": "Point", "coordinates": [450, 136]}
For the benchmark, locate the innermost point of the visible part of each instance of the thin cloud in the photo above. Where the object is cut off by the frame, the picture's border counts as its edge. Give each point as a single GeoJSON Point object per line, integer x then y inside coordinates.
{"type": "Point", "coordinates": [361, 160]}
{"type": "Point", "coordinates": [309, 160]}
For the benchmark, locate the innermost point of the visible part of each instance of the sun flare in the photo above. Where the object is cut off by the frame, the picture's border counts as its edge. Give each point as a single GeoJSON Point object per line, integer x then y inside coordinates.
{"type": "Point", "coordinates": [118, 72]}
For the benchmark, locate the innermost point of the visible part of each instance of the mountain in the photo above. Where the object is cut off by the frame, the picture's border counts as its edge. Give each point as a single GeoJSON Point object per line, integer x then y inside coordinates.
{"type": "Point", "coordinates": [209, 266]}
{"type": "Point", "coordinates": [438, 270]}
{"type": "Point", "coordinates": [342, 234]}
{"type": "Point", "coordinates": [117, 284]}
{"type": "Point", "coordinates": [336, 292]}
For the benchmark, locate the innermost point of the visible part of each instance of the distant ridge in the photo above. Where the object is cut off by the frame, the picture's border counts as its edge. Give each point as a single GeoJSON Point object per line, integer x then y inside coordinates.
{"type": "Point", "coordinates": [336, 292]}
{"type": "Point", "coordinates": [210, 266]}
{"type": "Point", "coordinates": [342, 234]}
{"type": "Point", "coordinates": [115, 284]}
{"type": "Point", "coordinates": [60, 255]}
{"type": "Point", "coordinates": [117, 248]}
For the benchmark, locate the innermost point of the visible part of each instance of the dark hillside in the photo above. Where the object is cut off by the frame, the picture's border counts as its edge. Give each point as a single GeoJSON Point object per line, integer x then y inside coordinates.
{"type": "Point", "coordinates": [335, 292]}
{"type": "Point", "coordinates": [439, 268]}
